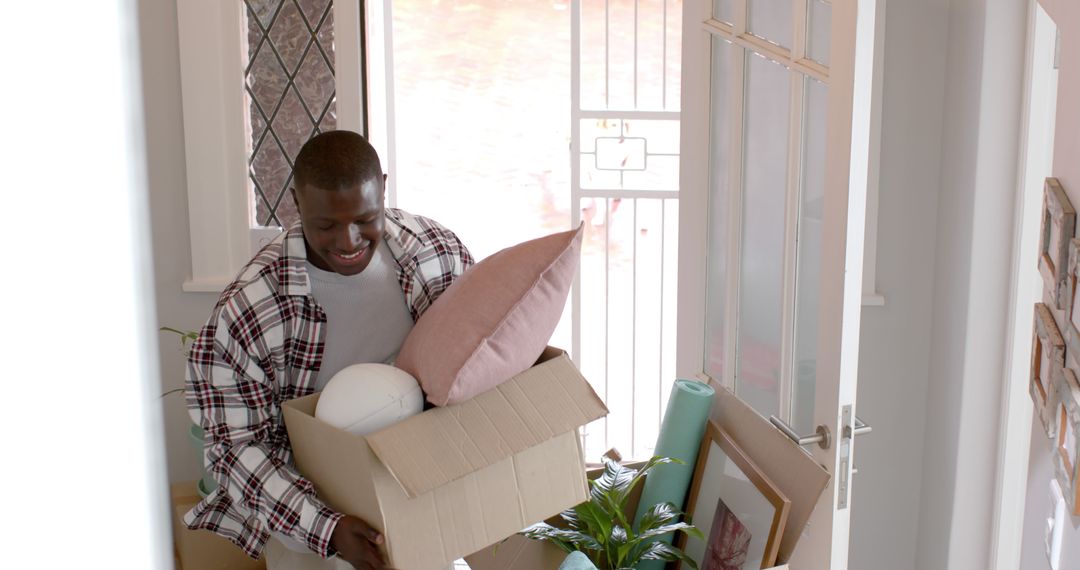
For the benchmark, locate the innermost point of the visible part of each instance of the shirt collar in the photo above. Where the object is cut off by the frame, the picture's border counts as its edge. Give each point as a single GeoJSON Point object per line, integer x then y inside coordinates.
{"type": "Point", "coordinates": [294, 277]}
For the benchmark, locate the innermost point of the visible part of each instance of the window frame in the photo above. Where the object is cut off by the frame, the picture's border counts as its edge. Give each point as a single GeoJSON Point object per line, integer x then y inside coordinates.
{"type": "Point", "coordinates": [223, 232]}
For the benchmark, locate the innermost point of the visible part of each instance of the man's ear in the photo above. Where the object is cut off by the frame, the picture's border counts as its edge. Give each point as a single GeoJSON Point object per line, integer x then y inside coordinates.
{"type": "Point", "coordinates": [295, 200]}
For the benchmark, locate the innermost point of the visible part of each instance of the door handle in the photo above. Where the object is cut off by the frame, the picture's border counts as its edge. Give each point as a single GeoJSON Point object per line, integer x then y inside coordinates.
{"type": "Point", "coordinates": [821, 436]}
{"type": "Point", "coordinates": [861, 428]}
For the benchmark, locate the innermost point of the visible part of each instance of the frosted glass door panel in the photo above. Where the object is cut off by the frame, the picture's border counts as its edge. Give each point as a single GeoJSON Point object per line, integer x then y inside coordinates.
{"type": "Point", "coordinates": [719, 207]}
{"type": "Point", "coordinates": [758, 373]}
{"type": "Point", "coordinates": [818, 24]}
{"type": "Point", "coordinates": [808, 276]}
{"type": "Point", "coordinates": [770, 20]}
{"type": "Point", "coordinates": [723, 10]}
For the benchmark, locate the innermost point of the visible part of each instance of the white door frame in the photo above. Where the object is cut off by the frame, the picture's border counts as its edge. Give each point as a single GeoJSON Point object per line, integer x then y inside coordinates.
{"type": "Point", "coordinates": [1035, 158]}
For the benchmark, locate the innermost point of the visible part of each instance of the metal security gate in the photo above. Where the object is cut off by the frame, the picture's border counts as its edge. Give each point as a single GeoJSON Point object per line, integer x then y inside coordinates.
{"type": "Point", "coordinates": [625, 80]}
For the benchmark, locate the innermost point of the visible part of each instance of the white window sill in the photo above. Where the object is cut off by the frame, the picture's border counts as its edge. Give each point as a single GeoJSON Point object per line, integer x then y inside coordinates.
{"type": "Point", "coordinates": [873, 300]}
{"type": "Point", "coordinates": [205, 285]}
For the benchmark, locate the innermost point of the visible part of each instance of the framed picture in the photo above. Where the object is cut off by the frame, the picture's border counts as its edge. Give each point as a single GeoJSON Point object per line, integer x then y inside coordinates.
{"type": "Point", "coordinates": [1067, 452]}
{"type": "Point", "coordinates": [1072, 304]}
{"type": "Point", "coordinates": [1047, 360]}
{"type": "Point", "coordinates": [1058, 226]}
{"type": "Point", "coordinates": [739, 510]}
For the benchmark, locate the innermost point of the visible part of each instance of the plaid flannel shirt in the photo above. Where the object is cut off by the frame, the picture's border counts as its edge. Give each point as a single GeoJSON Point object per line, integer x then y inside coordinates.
{"type": "Point", "coordinates": [263, 346]}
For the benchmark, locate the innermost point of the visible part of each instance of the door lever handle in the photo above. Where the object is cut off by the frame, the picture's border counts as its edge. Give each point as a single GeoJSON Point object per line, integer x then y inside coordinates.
{"type": "Point", "coordinates": [821, 436]}
{"type": "Point", "coordinates": [861, 428]}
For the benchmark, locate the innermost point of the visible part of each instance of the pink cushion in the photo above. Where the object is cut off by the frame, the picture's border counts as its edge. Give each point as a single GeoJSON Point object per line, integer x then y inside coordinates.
{"type": "Point", "coordinates": [494, 321]}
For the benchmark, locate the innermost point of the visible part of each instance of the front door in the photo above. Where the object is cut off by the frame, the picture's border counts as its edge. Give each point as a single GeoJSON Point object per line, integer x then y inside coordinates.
{"type": "Point", "coordinates": [775, 145]}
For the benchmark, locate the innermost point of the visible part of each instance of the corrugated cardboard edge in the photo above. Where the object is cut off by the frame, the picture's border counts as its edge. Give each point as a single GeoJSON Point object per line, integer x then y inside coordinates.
{"type": "Point", "coordinates": [795, 472]}
{"type": "Point", "coordinates": [419, 473]}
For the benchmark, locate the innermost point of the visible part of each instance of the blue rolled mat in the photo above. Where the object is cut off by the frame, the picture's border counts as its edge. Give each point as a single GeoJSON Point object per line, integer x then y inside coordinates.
{"type": "Point", "coordinates": [680, 437]}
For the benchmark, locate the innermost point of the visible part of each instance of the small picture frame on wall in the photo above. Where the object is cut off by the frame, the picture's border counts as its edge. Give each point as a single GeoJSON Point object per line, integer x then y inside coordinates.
{"type": "Point", "coordinates": [1058, 226]}
{"type": "Point", "coordinates": [1047, 361]}
{"type": "Point", "coordinates": [1072, 305]}
{"type": "Point", "coordinates": [1067, 452]}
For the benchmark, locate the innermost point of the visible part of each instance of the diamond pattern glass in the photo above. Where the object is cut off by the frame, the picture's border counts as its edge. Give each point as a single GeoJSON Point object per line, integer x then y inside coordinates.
{"type": "Point", "coordinates": [291, 95]}
{"type": "Point", "coordinates": [287, 36]}
{"type": "Point", "coordinates": [313, 10]}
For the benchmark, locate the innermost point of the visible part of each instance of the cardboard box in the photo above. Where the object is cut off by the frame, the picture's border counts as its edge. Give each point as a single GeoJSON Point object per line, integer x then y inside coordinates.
{"type": "Point", "coordinates": [453, 480]}
{"type": "Point", "coordinates": [520, 553]}
{"type": "Point", "coordinates": [202, 549]}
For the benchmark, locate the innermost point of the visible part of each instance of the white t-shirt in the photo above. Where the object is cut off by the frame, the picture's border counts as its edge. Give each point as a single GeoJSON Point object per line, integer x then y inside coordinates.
{"type": "Point", "coordinates": [366, 315]}
{"type": "Point", "coordinates": [367, 319]}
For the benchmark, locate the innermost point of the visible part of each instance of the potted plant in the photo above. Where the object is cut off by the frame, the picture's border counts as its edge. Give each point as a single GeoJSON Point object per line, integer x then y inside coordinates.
{"type": "Point", "coordinates": [602, 529]}
{"type": "Point", "coordinates": [206, 484]}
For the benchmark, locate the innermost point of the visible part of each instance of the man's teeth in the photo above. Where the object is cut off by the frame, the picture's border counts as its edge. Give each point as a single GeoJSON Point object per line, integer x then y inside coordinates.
{"type": "Point", "coordinates": [349, 256]}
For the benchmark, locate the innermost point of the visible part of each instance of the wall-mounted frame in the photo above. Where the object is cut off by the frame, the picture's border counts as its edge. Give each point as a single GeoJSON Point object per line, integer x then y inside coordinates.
{"type": "Point", "coordinates": [1058, 226]}
{"type": "Point", "coordinates": [1071, 326]}
{"type": "Point", "coordinates": [1047, 361]}
{"type": "Point", "coordinates": [741, 512]}
{"type": "Point", "coordinates": [1066, 448]}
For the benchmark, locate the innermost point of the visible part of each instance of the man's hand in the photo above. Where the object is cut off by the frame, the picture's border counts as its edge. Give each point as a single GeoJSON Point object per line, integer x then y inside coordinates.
{"type": "Point", "coordinates": [358, 543]}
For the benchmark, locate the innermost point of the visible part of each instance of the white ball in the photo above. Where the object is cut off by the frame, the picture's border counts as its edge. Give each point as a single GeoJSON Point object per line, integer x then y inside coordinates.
{"type": "Point", "coordinates": [364, 398]}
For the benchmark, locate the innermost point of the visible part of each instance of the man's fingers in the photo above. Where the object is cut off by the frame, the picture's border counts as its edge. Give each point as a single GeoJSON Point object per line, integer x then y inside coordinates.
{"type": "Point", "coordinates": [370, 533]}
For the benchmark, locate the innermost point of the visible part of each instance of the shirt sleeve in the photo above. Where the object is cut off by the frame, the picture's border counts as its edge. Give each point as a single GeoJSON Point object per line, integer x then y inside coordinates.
{"type": "Point", "coordinates": [231, 394]}
{"type": "Point", "coordinates": [448, 261]}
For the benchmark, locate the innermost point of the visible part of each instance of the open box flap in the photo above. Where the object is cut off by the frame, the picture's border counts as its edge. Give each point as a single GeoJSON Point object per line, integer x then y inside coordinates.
{"type": "Point", "coordinates": [445, 444]}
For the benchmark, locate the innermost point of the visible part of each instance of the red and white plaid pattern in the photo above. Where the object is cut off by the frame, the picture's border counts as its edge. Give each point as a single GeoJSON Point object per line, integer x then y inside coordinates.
{"type": "Point", "coordinates": [263, 346]}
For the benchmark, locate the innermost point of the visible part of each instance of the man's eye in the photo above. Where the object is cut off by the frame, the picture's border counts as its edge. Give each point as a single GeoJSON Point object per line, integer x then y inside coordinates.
{"type": "Point", "coordinates": [325, 227]}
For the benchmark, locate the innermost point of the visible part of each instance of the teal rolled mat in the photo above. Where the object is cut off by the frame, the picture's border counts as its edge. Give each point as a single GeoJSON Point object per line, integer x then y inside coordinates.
{"type": "Point", "coordinates": [680, 436]}
{"type": "Point", "coordinates": [577, 561]}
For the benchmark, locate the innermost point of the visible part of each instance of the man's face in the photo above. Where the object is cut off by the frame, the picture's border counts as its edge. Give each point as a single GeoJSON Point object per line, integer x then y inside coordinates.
{"type": "Point", "coordinates": [343, 227]}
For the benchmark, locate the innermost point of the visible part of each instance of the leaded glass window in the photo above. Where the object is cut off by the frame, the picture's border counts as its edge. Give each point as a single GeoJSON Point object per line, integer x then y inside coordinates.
{"type": "Point", "coordinates": [289, 82]}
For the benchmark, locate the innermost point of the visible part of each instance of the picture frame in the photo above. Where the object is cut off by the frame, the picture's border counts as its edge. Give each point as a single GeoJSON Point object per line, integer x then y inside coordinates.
{"type": "Point", "coordinates": [741, 512]}
{"type": "Point", "coordinates": [1058, 227]}
{"type": "Point", "coordinates": [1047, 361]}
{"type": "Point", "coordinates": [1072, 304]}
{"type": "Point", "coordinates": [1067, 442]}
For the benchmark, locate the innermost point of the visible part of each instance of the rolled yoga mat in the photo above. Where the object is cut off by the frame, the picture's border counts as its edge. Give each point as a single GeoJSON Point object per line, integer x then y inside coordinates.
{"type": "Point", "coordinates": [680, 437]}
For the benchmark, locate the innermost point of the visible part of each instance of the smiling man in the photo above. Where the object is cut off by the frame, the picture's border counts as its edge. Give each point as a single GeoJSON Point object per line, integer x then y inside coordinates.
{"type": "Point", "coordinates": [340, 287]}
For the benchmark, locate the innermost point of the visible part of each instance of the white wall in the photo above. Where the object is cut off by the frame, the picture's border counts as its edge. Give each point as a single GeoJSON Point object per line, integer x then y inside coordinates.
{"type": "Point", "coordinates": [971, 276]}
{"type": "Point", "coordinates": [1066, 167]}
{"type": "Point", "coordinates": [895, 346]}
{"type": "Point", "coordinates": [169, 219]}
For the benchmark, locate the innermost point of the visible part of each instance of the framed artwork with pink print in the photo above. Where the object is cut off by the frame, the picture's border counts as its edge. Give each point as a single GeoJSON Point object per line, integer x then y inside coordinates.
{"type": "Point", "coordinates": [738, 509]}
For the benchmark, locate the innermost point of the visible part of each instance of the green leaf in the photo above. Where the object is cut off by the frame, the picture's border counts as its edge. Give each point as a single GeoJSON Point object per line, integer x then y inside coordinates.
{"type": "Point", "coordinates": [670, 528]}
{"type": "Point", "coordinates": [595, 519]}
{"type": "Point", "coordinates": [573, 520]}
{"type": "Point", "coordinates": [544, 531]}
{"type": "Point", "coordinates": [659, 514]}
{"type": "Point", "coordinates": [666, 552]}
{"type": "Point", "coordinates": [618, 546]}
{"type": "Point", "coordinates": [613, 480]}
{"type": "Point", "coordinates": [649, 465]}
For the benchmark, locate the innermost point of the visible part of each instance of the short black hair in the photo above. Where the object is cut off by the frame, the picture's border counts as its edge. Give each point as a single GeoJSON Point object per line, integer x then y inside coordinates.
{"type": "Point", "coordinates": [336, 160]}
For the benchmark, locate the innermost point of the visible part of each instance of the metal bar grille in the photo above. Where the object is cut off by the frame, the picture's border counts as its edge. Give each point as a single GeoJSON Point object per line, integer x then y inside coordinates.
{"type": "Point", "coordinates": [625, 157]}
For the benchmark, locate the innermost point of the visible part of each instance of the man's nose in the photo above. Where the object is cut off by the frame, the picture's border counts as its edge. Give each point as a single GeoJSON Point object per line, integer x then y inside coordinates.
{"type": "Point", "coordinates": [350, 239]}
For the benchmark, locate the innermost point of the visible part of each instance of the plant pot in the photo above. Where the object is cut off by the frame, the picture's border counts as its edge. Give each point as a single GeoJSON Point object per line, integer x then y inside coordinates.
{"type": "Point", "coordinates": [206, 484]}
